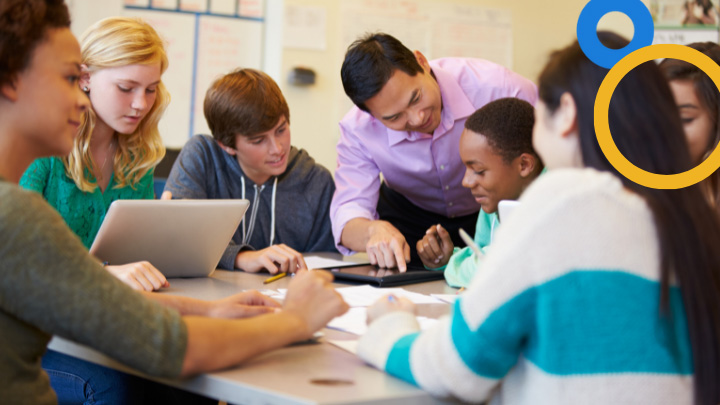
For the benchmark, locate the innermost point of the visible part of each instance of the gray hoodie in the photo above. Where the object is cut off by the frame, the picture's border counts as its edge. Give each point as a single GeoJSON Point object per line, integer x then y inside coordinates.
{"type": "Point", "coordinates": [302, 201]}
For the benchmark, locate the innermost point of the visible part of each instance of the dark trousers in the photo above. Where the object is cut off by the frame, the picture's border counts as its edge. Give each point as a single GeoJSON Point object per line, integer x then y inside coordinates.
{"type": "Point", "coordinates": [412, 221]}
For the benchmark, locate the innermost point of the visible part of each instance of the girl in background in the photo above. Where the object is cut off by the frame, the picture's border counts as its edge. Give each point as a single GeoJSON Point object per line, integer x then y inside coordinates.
{"type": "Point", "coordinates": [698, 100]}
{"type": "Point", "coordinates": [118, 144]}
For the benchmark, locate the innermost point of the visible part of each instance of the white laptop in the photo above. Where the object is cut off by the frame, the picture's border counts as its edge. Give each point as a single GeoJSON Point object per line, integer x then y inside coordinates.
{"type": "Point", "coordinates": [181, 238]}
{"type": "Point", "coordinates": [506, 208]}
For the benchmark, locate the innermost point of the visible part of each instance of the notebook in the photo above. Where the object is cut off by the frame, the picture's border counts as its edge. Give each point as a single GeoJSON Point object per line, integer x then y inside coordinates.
{"type": "Point", "coordinates": [373, 275]}
{"type": "Point", "coordinates": [181, 238]}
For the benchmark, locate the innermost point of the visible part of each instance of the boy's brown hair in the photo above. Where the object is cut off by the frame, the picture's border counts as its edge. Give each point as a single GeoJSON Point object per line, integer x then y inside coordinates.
{"type": "Point", "coordinates": [245, 102]}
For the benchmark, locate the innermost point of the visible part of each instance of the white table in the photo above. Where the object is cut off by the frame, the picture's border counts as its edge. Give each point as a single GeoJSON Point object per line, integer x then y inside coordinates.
{"type": "Point", "coordinates": [315, 373]}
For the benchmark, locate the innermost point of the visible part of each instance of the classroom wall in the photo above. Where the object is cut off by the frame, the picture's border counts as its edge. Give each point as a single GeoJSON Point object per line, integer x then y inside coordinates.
{"type": "Point", "coordinates": [538, 27]}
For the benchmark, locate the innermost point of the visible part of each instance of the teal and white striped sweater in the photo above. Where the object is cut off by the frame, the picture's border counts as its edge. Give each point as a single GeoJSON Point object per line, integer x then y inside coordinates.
{"type": "Point", "coordinates": [564, 311]}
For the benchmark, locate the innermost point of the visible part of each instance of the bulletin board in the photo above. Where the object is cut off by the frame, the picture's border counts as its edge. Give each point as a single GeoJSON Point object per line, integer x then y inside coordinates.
{"type": "Point", "coordinates": [204, 40]}
{"type": "Point", "coordinates": [685, 21]}
{"type": "Point", "coordinates": [437, 29]}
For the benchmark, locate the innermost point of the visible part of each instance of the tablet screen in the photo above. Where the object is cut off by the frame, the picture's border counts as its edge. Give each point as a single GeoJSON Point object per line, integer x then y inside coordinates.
{"type": "Point", "coordinates": [370, 274]}
{"type": "Point", "coordinates": [365, 270]}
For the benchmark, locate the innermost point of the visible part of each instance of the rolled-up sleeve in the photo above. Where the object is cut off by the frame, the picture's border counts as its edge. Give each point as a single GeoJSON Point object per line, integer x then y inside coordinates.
{"type": "Point", "coordinates": [357, 185]}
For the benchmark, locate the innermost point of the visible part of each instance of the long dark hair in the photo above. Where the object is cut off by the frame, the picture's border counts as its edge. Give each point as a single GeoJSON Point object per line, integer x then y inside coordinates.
{"type": "Point", "coordinates": [707, 93]}
{"type": "Point", "coordinates": [646, 127]}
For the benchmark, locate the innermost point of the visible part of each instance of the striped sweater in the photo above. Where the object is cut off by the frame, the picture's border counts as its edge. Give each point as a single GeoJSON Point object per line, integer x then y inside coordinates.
{"type": "Point", "coordinates": [564, 311]}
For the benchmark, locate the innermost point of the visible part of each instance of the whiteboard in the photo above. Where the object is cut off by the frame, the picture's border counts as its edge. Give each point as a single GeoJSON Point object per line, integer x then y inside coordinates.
{"type": "Point", "coordinates": [436, 29]}
{"type": "Point", "coordinates": [200, 47]}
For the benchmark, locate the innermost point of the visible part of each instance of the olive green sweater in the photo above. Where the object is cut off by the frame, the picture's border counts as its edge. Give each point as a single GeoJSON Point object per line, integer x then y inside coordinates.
{"type": "Point", "coordinates": [50, 285]}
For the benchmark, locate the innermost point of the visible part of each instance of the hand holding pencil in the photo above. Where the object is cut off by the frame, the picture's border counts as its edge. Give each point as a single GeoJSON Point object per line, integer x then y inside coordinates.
{"type": "Point", "coordinates": [436, 247]}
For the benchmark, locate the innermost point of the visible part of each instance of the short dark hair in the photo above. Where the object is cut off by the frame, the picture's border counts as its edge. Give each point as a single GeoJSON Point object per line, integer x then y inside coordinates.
{"type": "Point", "coordinates": [369, 63]}
{"type": "Point", "coordinates": [245, 102]}
{"type": "Point", "coordinates": [507, 123]}
{"type": "Point", "coordinates": [23, 25]}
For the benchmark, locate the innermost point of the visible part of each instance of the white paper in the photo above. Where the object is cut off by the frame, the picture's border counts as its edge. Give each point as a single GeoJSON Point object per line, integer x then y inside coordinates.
{"type": "Point", "coordinates": [355, 321]}
{"type": "Point", "coordinates": [198, 6]}
{"type": "Point", "coordinates": [305, 27]}
{"type": "Point", "coordinates": [223, 7]}
{"type": "Point", "coordinates": [166, 4]}
{"type": "Point", "coordinates": [274, 294]}
{"type": "Point", "coordinates": [347, 345]}
{"type": "Point", "coordinates": [449, 298]}
{"type": "Point", "coordinates": [251, 8]}
{"type": "Point", "coordinates": [365, 295]}
{"type": "Point", "coordinates": [318, 262]}
{"type": "Point", "coordinates": [131, 3]}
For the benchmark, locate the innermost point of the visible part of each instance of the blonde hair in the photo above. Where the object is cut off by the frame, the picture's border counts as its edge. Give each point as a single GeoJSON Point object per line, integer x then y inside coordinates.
{"type": "Point", "coordinates": [117, 42]}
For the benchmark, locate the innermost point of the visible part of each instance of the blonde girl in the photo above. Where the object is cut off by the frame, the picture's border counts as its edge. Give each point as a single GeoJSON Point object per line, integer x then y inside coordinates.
{"type": "Point", "coordinates": [118, 143]}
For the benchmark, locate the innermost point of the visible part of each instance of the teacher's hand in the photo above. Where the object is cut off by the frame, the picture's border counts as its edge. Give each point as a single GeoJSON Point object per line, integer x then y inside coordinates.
{"type": "Point", "coordinates": [386, 246]}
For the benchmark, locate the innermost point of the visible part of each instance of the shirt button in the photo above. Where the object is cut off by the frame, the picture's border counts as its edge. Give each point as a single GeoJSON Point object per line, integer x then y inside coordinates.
{"type": "Point", "coordinates": [450, 204]}
{"type": "Point", "coordinates": [447, 187]}
{"type": "Point", "coordinates": [442, 167]}
{"type": "Point", "coordinates": [452, 216]}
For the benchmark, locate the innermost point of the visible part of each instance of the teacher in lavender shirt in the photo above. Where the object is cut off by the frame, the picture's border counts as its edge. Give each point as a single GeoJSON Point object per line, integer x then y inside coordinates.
{"type": "Point", "coordinates": [406, 124]}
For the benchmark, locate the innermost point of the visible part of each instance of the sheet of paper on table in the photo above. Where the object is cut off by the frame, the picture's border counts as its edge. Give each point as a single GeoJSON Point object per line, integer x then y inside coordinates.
{"type": "Point", "coordinates": [354, 321]}
{"type": "Point", "coordinates": [366, 295]}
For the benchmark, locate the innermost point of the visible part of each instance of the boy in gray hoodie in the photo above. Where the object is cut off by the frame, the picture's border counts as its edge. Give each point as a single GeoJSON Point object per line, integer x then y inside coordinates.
{"type": "Point", "coordinates": [249, 156]}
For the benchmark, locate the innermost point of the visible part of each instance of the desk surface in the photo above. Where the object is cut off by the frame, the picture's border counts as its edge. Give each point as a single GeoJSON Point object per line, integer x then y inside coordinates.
{"type": "Point", "coordinates": [315, 373]}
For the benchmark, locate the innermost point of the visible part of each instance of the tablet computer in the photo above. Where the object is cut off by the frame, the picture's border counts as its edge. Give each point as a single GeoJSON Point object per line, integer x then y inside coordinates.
{"type": "Point", "coordinates": [369, 274]}
{"type": "Point", "coordinates": [181, 238]}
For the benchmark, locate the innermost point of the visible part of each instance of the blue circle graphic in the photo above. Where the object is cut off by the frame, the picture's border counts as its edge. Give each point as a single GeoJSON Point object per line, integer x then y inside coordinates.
{"type": "Point", "coordinates": [587, 29]}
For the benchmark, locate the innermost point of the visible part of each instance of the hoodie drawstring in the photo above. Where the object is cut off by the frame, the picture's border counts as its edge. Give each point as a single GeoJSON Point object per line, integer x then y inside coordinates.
{"type": "Point", "coordinates": [253, 214]}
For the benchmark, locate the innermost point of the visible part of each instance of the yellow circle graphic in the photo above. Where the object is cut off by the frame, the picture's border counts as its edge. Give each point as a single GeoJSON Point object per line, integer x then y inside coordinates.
{"type": "Point", "coordinates": [602, 125]}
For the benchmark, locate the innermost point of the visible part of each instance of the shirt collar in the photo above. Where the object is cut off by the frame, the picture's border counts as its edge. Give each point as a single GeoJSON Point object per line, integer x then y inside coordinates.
{"type": "Point", "coordinates": [456, 106]}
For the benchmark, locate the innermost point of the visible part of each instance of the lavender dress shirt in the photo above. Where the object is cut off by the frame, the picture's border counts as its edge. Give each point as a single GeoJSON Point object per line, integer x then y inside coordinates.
{"type": "Point", "coordinates": [425, 168]}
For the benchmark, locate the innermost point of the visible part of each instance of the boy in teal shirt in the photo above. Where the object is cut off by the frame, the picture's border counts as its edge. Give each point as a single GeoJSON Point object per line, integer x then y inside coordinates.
{"type": "Point", "coordinates": [496, 148]}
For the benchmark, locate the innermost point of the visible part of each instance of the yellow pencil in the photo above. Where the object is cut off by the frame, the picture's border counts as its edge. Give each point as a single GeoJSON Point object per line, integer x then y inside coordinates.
{"type": "Point", "coordinates": [275, 277]}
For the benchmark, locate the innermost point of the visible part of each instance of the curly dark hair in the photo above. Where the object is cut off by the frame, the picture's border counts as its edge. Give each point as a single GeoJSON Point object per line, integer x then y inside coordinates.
{"type": "Point", "coordinates": [507, 123]}
{"type": "Point", "coordinates": [23, 25]}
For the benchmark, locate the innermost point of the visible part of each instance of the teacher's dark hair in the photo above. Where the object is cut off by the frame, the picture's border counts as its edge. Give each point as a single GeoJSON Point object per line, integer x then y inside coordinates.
{"type": "Point", "coordinates": [23, 25]}
{"type": "Point", "coordinates": [646, 127]}
{"type": "Point", "coordinates": [369, 63]}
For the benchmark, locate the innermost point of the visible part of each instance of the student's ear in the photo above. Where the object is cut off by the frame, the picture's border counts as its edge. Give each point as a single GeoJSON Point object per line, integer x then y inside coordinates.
{"type": "Point", "coordinates": [526, 164]}
{"type": "Point", "coordinates": [9, 90]}
{"type": "Point", "coordinates": [84, 77]}
{"type": "Point", "coordinates": [230, 151]}
{"type": "Point", "coordinates": [422, 60]}
{"type": "Point", "coordinates": [565, 116]}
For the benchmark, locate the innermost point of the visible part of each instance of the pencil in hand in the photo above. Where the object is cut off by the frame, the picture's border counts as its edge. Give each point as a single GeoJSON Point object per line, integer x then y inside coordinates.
{"type": "Point", "coordinates": [471, 243]}
{"type": "Point", "coordinates": [275, 277]}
